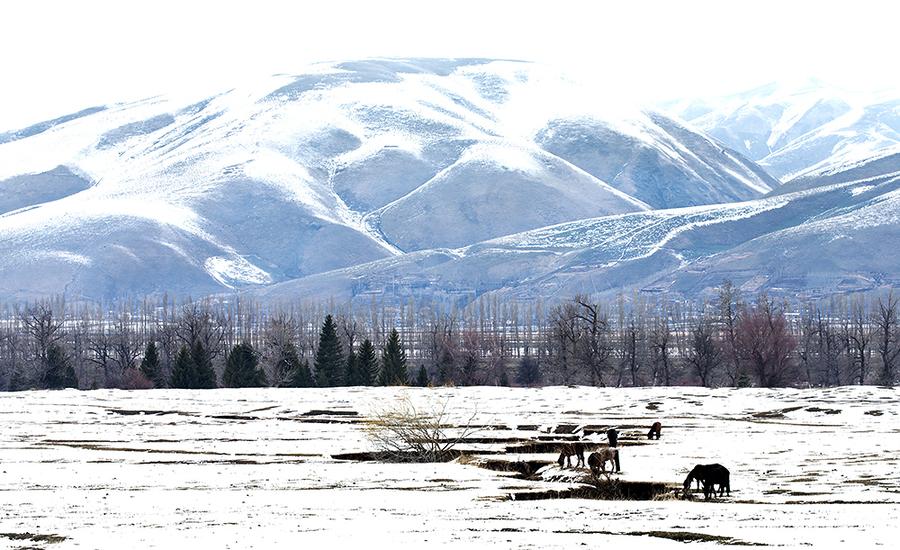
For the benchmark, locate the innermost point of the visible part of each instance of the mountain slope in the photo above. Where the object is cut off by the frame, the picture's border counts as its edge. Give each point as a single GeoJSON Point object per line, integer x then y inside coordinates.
{"type": "Point", "coordinates": [656, 160]}
{"type": "Point", "coordinates": [806, 242]}
{"type": "Point", "coordinates": [345, 164]}
{"type": "Point", "coordinates": [803, 130]}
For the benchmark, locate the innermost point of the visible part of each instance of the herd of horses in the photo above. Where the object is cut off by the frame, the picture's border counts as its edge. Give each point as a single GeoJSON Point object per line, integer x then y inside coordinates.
{"type": "Point", "coordinates": [707, 476]}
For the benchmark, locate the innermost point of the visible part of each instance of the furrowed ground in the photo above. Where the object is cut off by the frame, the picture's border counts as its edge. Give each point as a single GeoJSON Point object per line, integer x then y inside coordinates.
{"type": "Point", "coordinates": [256, 469]}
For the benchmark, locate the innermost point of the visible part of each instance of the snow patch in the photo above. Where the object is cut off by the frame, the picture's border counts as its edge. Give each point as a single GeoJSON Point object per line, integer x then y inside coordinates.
{"type": "Point", "coordinates": [235, 271]}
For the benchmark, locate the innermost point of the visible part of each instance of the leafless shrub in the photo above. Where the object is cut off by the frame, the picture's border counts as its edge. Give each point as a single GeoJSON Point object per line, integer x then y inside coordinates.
{"type": "Point", "coordinates": [134, 379]}
{"type": "Point", "coordinates": [404, 432]}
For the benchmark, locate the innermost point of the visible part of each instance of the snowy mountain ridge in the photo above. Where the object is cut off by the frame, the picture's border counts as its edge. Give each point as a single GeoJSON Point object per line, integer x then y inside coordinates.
{"type": "Point", "coordinates": [801, 129]}
{"type": "Point", "coordinates": [345, 164]}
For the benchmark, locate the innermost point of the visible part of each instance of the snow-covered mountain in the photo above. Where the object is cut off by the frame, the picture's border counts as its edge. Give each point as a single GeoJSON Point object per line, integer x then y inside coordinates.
{"type": "Point", "coordinates": [346, 164]}
{"type": "Point", "coordinates": [835, 237]}
{"type": "Point", "coordinates": [800, 130]}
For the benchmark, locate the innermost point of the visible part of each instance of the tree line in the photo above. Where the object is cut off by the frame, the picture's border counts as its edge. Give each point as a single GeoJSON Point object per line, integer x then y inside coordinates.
{"type": "Point", "coordinates": [635, 340]}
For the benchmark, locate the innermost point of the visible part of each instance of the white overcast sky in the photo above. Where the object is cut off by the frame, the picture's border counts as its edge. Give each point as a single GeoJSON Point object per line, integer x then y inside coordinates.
{"type": "Point", "coordinates": [60, 56]}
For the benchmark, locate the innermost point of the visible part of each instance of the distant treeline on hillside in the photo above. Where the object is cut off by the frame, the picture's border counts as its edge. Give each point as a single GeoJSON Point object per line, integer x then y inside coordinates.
{"type": "Point", "coordinates": [632, 341]}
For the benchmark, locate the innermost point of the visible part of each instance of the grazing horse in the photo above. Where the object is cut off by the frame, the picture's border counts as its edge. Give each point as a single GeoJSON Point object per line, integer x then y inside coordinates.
{"type": "Point", "coordinates": [655, 430]}
{"type": "Point", "coordinates": [612, 436]}
{"type": "Point", "coordinates": [597, 461]}
{"type": "Point", "coordinates": [710, 475]}
{"type": "Point", "coordinates": [566, 452]}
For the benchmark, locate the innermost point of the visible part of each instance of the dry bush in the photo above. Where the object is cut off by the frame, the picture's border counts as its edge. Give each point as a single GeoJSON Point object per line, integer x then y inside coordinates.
{"type": "Point", "coordinates": [403, 432]}
{"type": "Point", "coordinates": [134, 379]}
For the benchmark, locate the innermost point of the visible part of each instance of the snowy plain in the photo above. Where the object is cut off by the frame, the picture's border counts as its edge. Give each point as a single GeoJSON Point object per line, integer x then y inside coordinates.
{"type": "Point", "coordinates": [253, 468]}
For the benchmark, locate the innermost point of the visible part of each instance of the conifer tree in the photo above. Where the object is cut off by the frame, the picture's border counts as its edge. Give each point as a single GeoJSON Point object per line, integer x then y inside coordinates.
{"type": "Point", "coordinates": [469, 374]}
{"type": "Point", "coordinates": [184, 374]}
{"type": "Point", "coordinates": [150, 366]}
{"type": "Point", "coordinates": [193, 369]}
{"type": "Point", "coordinates": [329, 357]}
{"type": "Point", "coordinates": [206, 376]}
{"type": "Point", "coordinates": [422, 378]}
{"type": "Point", "coordinates": [242, 368]}
{"type": "Point", "coordinates": [296, 372]}
{"type": "Point", "coordinates": [301, 376]}
{"type": "Point", "coordinates": [393, 362]}
{"type": "Point", "coordinates": [59, 373]}
{"type": "Point", "coordinates": [355, 375]}
{"type": "Point", "coordinates": [445, 366]}
{"type": "Point", "coordinates": [367, 360]}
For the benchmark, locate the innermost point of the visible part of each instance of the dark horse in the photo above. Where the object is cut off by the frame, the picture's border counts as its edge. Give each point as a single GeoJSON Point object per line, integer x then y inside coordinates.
{"type": "Point", "coordinates": [597, 461]}
{"type": "Point", "coordinates": [710, 475]}
{"type": "Point", "coordinates": [655, 431]}
{"type": "Point", "coordinates": [566, 450]}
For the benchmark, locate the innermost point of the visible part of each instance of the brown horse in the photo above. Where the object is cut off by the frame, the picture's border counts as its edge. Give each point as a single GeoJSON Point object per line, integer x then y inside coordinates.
{"type": "Point", "coordinates": [597, 461]}
{"type": "Point", "coordinates": [566, 450]}
{"type": "Point", "coordinates": [655, 431]}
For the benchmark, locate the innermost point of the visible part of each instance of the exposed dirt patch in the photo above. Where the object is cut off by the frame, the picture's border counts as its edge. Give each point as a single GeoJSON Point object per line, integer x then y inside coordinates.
{"type": "Point", "coordinates": [484, 440]}
{"type": "Point", "coordinates": [129, 412]}
{"type": "Point", "coordinates": [614, 489]}
{"type": "Point", "coordinates": [233, 417]}
{"type": "Point", "coordinates": [555, 438]}
{"type": "Point", "coordinates": [98, 447]}
{"type": "Point", "coordinates": [32, 537]}
{"type": "Point", "coordinates": [525, 469]}
{"type": "Point", "coordinates": [777, 413]}
{"type": "Point", "coordinates": [391, 457]}
{"type": "Point", "coordinates": [679, 536]}
{"type": "Point", "coordinates": [537, 447]}
{"type": "Point", "coordinates": [875, 412]}
{"type": "Point", "coordinates": [323, 412]}
{"type": "Point", "coordinates": [821, 410]}
{"type": "Point", "coordinates": [565, 429]}
{"type": "Point", "coordinates": [317, 420]}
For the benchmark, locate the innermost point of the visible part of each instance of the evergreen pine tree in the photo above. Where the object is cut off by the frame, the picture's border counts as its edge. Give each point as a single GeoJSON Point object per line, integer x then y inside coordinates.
{"type": "Point", "coordinates": [58, 373]}
{"type": "Point", "coordinates": [297, 373]}
{"type": "Point", "coordinates": [469, 374]}
{"type": "Point", "coordinates": [329, 357]}
{"type": "Point", "coordinates": [184, 374]}
{"type": "Point", "coordinates": [529, 372]}
{"type": "Point", "coordinates": [206, 376]}
{"type": "Point", "coordinates": [367, 361]}
{"type": "Point", "coordinates": [422, 378]}
{"type": "Point", "coordinates": [393, 362]}
{"type": "Point", "coordinates": [242, 368]}
{"type": "Point", "coordinates": [356, 375]}
{"type": "Point", "coordinates": [150, 366]}
{"type": "Point", "coordinates": [445, 367]}
{"type": "Point", "coordinates": [301, 376]}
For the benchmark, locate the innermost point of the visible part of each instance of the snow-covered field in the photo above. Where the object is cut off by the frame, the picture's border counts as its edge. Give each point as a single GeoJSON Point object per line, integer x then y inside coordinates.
{"type": "Point", "coordinates": [253, 469]}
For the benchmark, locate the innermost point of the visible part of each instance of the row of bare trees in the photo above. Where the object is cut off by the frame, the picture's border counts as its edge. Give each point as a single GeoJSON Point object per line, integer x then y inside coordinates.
{"type": "Point", "coordinates": [633, 341]}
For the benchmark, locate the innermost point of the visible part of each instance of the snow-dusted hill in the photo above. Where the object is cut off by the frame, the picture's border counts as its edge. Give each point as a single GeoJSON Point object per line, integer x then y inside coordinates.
{"type": "Point", "coordinates": [828, 238]}
{"type": "Point", "coordinates": [800, 130]}
{"type": "Point", "coordinates": [345, 164]}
